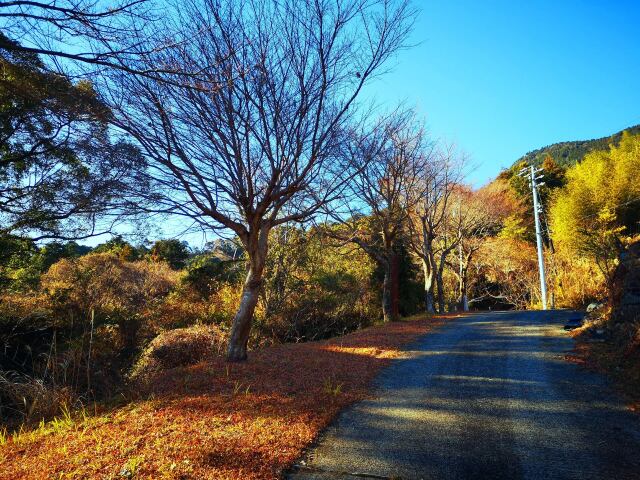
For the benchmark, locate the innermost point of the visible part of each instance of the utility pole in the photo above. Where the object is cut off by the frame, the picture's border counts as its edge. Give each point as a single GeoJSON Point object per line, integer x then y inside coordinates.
{"type": "Point", "coordinates": [536, 215]}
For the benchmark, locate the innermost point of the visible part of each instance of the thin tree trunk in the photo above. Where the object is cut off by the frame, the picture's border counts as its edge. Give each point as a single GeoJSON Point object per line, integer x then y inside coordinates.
{"type": "Point", "coordinates": [387, 295]}
{"type": "Point", "coordinates": [439, 269]}
{"type": "Point", "coordinates": [395, 288]}
{"type": "Point", "coordinates": [465, 283]}
{"type": "Point", "coordinates": [439, 273]}
{"type": "Point", "coordinates": [428, 287]}
{"type": "Point", "coordinates": [461, 301]}
{"type": "Point", "coordinates": [463, 279]}
{"type": "Point", "coordinates": [440, 285]}
{"type": "Point", "coordinates": [464, 297]}
{"type": "Point", "coordinates": [241, 328]}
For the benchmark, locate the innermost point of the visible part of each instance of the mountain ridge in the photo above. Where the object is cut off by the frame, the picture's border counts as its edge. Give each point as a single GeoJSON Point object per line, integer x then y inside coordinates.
{"type": "Point", "coordinates": [571, 152]}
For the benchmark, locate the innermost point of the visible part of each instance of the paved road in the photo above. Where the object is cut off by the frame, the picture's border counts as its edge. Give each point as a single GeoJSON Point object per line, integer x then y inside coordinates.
{"type": "Point", "coordinates": [485, 396]}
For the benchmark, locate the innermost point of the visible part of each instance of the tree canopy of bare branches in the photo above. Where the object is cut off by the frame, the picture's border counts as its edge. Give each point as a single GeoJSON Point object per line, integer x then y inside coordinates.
{"type": "Point", "coordinates": [92, 34]}
{"type": "Point", "coordinates": [254, 140]}
{"type": "Point", "coordinates": [477, 215]}
{"type": "Point", "coordinates": [430, 236]}
{"type": "Point", "coordinates": [384, 164]}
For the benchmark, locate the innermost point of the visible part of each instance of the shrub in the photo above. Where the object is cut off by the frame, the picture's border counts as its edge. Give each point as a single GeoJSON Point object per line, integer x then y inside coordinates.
{"type": "Point", "coordinates": [208, 272]}
{"type": "Point", "coordinates": [185, 306]}
{"type": "Point", "coordinates": [75, 337]}
{"type": "Point", "coordinates": [313, 290]}
{"type": "Point", "coordinates": [176, 348]}
{"type": "Point", "coordinates": [111, 289]}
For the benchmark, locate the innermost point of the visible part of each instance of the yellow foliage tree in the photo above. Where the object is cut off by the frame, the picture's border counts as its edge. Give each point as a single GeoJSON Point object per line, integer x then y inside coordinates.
{"type": "Point", "coordinates": [599, 208]}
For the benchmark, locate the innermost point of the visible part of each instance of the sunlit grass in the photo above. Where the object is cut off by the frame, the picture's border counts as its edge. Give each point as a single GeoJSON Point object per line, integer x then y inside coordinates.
{"type": "Point", "coordinates": [59, 424]}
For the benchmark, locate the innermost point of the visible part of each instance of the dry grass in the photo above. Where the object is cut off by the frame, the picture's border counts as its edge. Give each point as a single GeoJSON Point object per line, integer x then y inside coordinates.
{"type": "Point", "coordinates": [215, 420]}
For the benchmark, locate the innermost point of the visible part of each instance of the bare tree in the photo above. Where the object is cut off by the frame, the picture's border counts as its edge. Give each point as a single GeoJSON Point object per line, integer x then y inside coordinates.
{"type": "Point", "coordinates": [98, 33]}
{"type": "Point", "coordinates": [450, 234]}
{"type": "Point", "coordinates": [253, 141]}
{"type": "Point", "coordinates": [476, 216]}
{"type": "Point", "coordinates": [428, 219]}
{"type": "Point", "coordinates": [384, 165]}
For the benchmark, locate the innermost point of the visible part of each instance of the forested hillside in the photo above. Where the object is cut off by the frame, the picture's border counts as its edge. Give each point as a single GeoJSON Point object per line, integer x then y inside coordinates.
{"type": "Point", "coordinates": [570, 153]}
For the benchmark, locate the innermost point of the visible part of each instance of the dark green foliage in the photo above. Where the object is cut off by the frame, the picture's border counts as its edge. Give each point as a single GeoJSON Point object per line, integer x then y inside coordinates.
{"type": "Point", "coordinates": [206, 271]}
{"type": "Point", "coordinates": [411, 284]}
{"type": "Point", "coordinates": [552, 177]}
{"type": "Point", "coordinates": [410, 287]}
{"type": "Point", "coordinates": [18, 271]}
{"type": "Point", "coordinates": [554, 161]}
{"type": "Point", "coordinates": [566, 154]}
{"type": "Point", "coordinates": [22, 261]}
{"type": "Point", "coordinates": [174, 252]}
{"type": "Point", "coordinates": [59, 164]}
{"type": "Point", "coordinates": [54, 251]}
{"type": "Point", "coordinates": [120, 247]}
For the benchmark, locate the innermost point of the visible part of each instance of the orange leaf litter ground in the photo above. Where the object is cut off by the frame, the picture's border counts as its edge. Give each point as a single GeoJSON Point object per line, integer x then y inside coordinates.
{"type": "Point", "coordinates": [216, 420]}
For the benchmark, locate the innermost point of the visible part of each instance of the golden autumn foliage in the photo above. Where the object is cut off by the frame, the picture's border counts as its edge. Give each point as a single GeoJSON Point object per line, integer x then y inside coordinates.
{"type": "Point", "coordinates": [108, 283]}
{"type": "Point", "coordinates": [177, 348]}
{"type": "Point", "coordinates": [600, 204]}
{"type": "Point", "coordinates": [575, 280]}
{"type": "Point", "coordinates": [510, 265]}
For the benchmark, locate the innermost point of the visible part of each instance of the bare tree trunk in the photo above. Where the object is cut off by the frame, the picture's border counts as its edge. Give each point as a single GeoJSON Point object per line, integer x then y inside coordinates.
{"type": "Point", "coordinates": [429, 303]}
{"type": "Point", "coordinates": [465, 284]}
{"type": "Point", "coordinates": [390, 307]}
{"type": "Point", "coordinates": [439, 269]}
{"type": "Point", "coordinates": [464, 300]}
{"type": "Point", "coordinates": [440, 284]}
{"type": "Point", "coordinates": [395, 288]}
{"type": "Point", "coordinates": [390, 283]}
{"type": "Point", "coordinates": [462, 279]}
{"type": "Point", "coordinates": [257, 250]}
{"type": "Point", "coordinates": [387, 298]}
{"type": "Point", "coordinates": [385, 261]}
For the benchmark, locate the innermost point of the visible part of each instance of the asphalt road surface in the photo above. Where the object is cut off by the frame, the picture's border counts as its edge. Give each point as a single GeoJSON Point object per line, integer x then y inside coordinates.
{"type": "Point", "coordinates": [487, 396]}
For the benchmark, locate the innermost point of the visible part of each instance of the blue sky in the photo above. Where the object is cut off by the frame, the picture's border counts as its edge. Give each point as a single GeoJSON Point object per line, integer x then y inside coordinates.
{"type": "Point", "coordinates": [501, 78]}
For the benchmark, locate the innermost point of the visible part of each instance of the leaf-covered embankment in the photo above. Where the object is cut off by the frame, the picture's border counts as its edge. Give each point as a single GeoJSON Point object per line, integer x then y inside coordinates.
{"type": "Point", "coordinates": [217, 420]}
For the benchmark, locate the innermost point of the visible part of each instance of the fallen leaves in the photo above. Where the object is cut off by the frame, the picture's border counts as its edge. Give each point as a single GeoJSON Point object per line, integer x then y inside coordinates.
{"type": "Point", "coordinates": [216, 420]}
